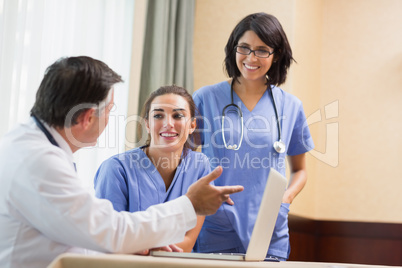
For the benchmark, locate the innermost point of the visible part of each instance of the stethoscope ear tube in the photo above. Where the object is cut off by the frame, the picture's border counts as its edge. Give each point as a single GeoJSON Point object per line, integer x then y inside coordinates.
{"type": "Point", "coordinates": [44, 130]}
{"type": "Point", "coordinates": [279, 145]}
{"type": "Point", "coordinates": [240, 114]}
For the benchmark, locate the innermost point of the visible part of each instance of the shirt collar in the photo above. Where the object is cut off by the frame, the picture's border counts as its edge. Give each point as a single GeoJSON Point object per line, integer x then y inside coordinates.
{"type": "Point", "coordinates": [58, 138]}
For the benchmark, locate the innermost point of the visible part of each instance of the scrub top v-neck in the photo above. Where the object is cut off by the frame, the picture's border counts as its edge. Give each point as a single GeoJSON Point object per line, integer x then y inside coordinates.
{"type": "Point", "coordinates": [132, 183]}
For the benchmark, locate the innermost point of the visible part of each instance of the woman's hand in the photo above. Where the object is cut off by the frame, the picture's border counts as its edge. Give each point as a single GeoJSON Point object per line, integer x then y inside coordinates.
{"type": "Point", "coordinates": [170, 248]}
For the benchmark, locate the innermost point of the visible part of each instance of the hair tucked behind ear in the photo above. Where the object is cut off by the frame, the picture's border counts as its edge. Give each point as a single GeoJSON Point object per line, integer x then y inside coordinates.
{"type": "Point", "coordinates": [270, 31]}
{"type": "Point", "coordinates": [193, 140]}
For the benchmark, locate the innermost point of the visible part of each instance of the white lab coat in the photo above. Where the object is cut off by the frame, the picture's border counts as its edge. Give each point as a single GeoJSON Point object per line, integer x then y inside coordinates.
{"type": "Point", "coordinates": [45, 210]}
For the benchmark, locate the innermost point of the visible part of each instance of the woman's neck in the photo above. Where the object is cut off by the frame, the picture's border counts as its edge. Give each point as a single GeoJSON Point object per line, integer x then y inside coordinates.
{"type": "Point", "coordinates": [253, 87]}
{"type": "Point", "coordinates": [250, 92]}
{"type": "Point", "coordinates": [165, 162]}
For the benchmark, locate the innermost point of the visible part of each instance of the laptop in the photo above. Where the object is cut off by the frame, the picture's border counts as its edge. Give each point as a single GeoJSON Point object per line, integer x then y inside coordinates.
{"type": "Point", "coordinates": [262, 231]}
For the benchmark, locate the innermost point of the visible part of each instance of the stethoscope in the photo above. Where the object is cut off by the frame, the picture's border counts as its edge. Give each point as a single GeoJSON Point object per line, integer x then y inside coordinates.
{"type": "Point", "coordinates": [279, 145]}
{"type": "Point", "coordinates": [48, 135]}
{"type": "Point", "coordinates": [45, 131]}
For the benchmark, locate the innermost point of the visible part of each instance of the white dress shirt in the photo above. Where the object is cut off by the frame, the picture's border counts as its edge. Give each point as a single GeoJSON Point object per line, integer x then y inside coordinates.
{"type": "Point", "coordinates": [45, 210]}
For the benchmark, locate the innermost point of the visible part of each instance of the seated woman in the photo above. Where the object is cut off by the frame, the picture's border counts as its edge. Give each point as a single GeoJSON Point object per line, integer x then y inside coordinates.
{"type": "Point", "coordinates": [165, 166]}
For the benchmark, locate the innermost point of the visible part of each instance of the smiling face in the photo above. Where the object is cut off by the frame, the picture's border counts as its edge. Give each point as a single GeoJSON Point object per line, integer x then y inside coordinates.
{"type": "Point", "coordinates": [250, 66]}
{"type": "Point", "coordinates": [169, 122]}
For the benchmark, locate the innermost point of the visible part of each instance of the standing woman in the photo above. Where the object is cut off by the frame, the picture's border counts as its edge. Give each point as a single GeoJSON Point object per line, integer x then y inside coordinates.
{"type": "Point", "coordinates": [262, 125]}
{"type": "Point", "coordinates": [164, 167]}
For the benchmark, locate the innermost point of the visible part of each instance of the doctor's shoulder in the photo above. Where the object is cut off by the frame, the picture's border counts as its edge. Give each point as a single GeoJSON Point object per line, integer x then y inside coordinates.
{"type": "Point", "coordinates": [288, 98]}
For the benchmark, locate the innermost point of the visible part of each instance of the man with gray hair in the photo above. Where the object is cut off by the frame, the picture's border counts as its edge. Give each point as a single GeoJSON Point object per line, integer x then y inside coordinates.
{"type": "Point", "coordinates": [44, 208]}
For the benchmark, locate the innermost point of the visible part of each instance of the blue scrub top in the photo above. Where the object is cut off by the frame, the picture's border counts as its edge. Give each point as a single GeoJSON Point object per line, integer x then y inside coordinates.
{"type": "Point", "coordinates": [132, 183]}
{"type": "Point", "coordinates": [230, 228]}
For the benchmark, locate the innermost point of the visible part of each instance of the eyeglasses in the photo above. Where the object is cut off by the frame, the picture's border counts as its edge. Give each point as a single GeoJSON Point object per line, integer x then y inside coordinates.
{"type": "Point", "coordinates": [261, 53]}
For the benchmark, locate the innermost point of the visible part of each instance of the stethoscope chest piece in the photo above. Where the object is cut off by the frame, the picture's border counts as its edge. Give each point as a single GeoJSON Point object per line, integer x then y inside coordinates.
{"type": "Point", "coordinates": [279, 146]}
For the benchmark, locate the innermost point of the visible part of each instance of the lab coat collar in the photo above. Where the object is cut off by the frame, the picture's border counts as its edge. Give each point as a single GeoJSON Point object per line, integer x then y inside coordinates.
{"type": "Point", "coordinates": [59, 139]}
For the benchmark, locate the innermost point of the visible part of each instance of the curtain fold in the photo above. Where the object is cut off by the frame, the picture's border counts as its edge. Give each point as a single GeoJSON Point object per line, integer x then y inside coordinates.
{"type": "Point", "coordinates": [35, 33]}
{"type": "Point", "coordinates": [168, 46]}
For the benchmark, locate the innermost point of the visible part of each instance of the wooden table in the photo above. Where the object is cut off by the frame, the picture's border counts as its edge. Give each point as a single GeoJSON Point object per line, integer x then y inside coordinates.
{"type": "Point", "coordinates": [70, 260]}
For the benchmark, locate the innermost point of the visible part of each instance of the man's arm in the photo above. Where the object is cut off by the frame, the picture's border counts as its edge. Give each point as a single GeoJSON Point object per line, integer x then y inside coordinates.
{"type": "Point", "coordinates": [57, 205]}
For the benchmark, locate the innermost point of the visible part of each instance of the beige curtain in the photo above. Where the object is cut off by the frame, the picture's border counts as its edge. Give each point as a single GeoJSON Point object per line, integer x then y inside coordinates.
{"type": "Point", "coordinates": [167, 57]}
{"type": "Point", "coordinates": [35, 33]}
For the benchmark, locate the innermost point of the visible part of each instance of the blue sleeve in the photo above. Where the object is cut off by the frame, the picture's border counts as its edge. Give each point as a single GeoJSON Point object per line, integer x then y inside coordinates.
{"type": "Point", "coordinates": [301, 140]}
{"type": "Point", "coordinates": [111, 183]}
{"type": "Point", "coordinates": [206, 168]}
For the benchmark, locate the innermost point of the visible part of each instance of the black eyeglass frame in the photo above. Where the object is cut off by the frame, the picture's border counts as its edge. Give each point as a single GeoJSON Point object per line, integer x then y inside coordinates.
{"type": "Point", "coordinates": [269, 53]}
